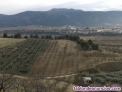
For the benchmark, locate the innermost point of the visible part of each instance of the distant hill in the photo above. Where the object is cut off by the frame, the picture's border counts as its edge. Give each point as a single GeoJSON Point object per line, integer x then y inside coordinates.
{"type": "Point", "coordinates": [61, 17]}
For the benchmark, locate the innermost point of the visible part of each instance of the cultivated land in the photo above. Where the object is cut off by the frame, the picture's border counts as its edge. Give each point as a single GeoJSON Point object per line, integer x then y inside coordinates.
{"type": "Point", "coordinates": [39, 58]}
{"type": "Point", "coordinates": [21, 56]}
{"type": "Point", "coordinates": [60, 58]}
{"type": "Point", "coordinates": [48, 58]}
{"type": "Point", "coordinates": [110, 51]}
{"type": "Point", "coordinates": [64, 57]}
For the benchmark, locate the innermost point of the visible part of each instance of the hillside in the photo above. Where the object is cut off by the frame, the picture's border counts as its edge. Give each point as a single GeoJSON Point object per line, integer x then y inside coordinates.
{"type": "Point", "coordinates": [57, 57]}
{"type": "Point", "coordinates": [58, 65]}
{"type": "Point", "coordinates": [61, 17]}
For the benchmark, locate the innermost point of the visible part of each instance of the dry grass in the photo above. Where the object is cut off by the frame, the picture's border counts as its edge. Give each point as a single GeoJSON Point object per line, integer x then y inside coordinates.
{"type": "Point", "coordinates": [101, 37]}
{"type": "Point", "coordinates": [110, 66]}
{"type": "Point", "coordinates": [8, 41]}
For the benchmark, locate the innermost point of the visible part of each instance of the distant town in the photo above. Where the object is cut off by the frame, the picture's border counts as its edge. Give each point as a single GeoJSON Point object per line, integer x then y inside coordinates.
{"type": "Point", "coordinates": [70, 30]}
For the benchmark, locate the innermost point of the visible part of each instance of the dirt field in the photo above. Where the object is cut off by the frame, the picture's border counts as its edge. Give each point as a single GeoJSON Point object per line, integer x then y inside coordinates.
{"type": "Point", "coordinates": [60, 58]}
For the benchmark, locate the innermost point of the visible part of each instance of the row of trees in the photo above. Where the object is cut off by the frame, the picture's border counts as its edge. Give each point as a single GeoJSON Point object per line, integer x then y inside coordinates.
{"type": "Point", "coordinates": [113, 77]}
{"type": "Point", "coordinates": [47, 37]}
{"type": "Point", "coordinates": [42, 37]}
{"type": "Point", "coordinates": [18, 35]}
{"type": "Point", "coordinates": [86, 45]}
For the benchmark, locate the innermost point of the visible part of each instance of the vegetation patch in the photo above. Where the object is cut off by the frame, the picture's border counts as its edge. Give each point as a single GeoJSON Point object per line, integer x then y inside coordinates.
{"type": "Point", "coordinates": [107, 78]}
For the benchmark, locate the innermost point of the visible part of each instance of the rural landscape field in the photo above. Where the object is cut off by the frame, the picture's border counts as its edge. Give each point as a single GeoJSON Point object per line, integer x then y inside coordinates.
{"type": "Point", "coordinates": [40, 65]}
{"type": "Point", "coordinates": [60, 45]}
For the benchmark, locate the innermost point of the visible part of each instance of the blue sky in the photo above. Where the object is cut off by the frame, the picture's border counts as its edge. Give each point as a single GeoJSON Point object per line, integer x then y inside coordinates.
{"type": "Point", "coordinates": [15, 6]}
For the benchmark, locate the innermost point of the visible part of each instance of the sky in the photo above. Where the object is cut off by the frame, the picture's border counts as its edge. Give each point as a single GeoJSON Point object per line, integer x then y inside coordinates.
{"type": "Point", "coordinates": [10, 7]}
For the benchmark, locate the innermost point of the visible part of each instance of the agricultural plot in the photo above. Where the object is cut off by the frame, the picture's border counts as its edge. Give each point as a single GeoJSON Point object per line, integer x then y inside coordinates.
{"type": "Point", "coordinates": [48, 58]}
{"type": "Point", "coordinates": [39, 58]}
{"type": "Point", "coordinates": [20, 57]}
{"type": "Point", "coordinates": [108, 78]}
{"type": "Point", "coordinates": [59, 59]}
{"type": "Point", "coordinates": [107, 59]}
{"type": "Point", "coordinates": [64, 57]}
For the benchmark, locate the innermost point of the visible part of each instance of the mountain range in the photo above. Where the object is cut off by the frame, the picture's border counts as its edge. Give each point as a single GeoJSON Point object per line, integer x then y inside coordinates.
{"type": "Point", "coordinates": [62, 17]}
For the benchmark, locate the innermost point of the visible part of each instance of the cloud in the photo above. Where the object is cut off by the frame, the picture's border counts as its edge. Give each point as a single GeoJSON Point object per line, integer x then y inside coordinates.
{"type": "Point", "coordinates": [16, 6]}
